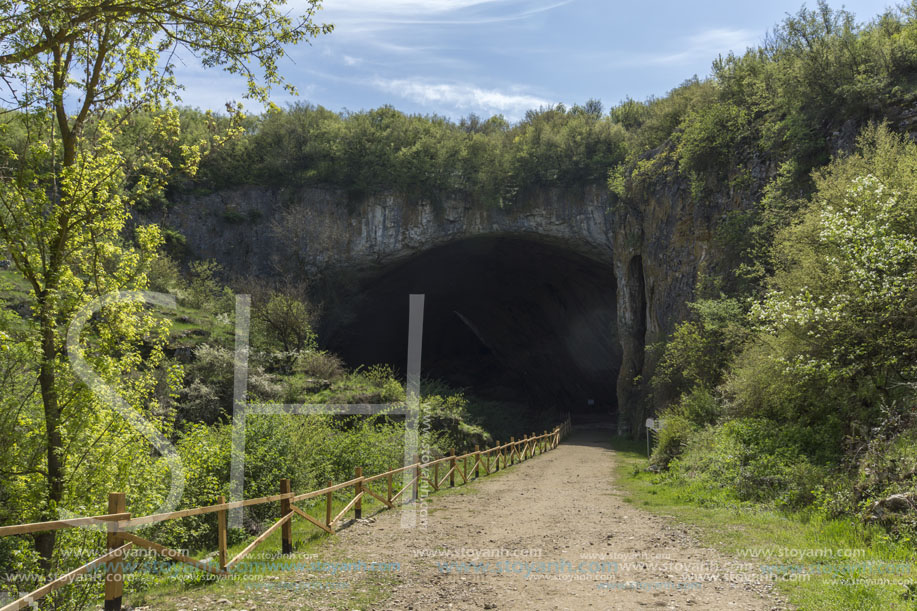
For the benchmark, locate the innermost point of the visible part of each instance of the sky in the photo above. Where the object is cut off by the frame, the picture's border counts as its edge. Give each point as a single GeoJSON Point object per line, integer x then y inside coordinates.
{"type": "Point", "coordinates": [458, 57]}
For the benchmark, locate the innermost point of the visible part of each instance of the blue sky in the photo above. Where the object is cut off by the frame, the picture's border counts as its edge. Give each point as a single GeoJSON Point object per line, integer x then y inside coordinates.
{"type": "Point", "coordinates": [456, 57]}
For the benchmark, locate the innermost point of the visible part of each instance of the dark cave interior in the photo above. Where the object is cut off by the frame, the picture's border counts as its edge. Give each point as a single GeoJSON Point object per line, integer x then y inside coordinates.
{"type": "Point", "coordinates": [505, 318]}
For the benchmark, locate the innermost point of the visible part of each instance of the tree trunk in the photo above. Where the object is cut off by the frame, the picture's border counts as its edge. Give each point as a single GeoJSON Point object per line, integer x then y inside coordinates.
{"type": "Point", "coordinates": [44, 542]}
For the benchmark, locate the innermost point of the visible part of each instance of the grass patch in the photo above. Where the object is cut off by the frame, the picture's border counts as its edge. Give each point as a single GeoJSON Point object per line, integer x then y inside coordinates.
{"type": "Point", "coordinates": [820, 564]}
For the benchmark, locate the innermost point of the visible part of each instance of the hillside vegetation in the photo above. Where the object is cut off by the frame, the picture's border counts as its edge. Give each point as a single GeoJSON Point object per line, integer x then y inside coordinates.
{"type": "Point", "coordinates": [793, 384]}
{"type": "Point", "coordinates": [797, 364]}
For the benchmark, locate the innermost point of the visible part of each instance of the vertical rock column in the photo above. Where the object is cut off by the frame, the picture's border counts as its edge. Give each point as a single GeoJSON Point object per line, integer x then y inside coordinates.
{"type": "Point", "coordinates": [632, 335]}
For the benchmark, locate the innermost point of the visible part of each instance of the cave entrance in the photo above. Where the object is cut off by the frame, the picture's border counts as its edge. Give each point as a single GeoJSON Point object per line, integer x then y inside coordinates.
{"type": "Point", "coordinates": [505, 318]}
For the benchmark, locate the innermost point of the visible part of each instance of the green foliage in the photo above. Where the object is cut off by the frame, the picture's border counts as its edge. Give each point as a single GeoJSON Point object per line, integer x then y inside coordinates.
{"type": "Point", "coordinates": [697, 353]}
{"type": "Point", "coordinates": [879, 465]}
{"type": "Point", "coordinates": [285, 323]}
{"type": "Point", "coordinates": [819, 69]}
{"type": "Point", "coordinates": [709, 144]}
{"type": "Point", "coordinates": [699, 407]}
{"type": "Point", "coordinates": [754, 531]}
{"type": "Point", "coordinates": [205, 290]}
{"type": "Point", "coordinates": [813, 369]}
{"type": "Point", "coordinates": [672, 439]}
{"type": "Point", "coordinates": [835, 333]}
{"type": "Point", "coordinates": [75, 76]}
{"type": "Point", "coordinates": [310, 450]}
{"type": "Point", "coordinates": [695, 410]}
{"type": "Point", "coordinates": [753, 458]}
{"type": "Point", "coordinates": [650, 124]}
{"type": "Point", "coordinates": [426, 157]}
{"type": "Point", "coordinates": [165, 276]}
{"type": "Point", "coordinates": [793, 102]}
{"type": "Point", "coordinates": [319, 364]}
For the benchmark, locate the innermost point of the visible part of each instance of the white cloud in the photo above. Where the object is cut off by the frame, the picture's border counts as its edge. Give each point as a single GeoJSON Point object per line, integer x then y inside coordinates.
{"type": "Point", "coordinates": [403, 7]}
{"type": "Point", "coordinates": [351, 61]}
{"type": "Point", "coordinates": [361, 16]}
{"type": "Point", "coordinates": [708, 44]}
{"type": "Point", "coordinates": [462, 96]}
{"type": "Point", "coordinates": [723, 37]}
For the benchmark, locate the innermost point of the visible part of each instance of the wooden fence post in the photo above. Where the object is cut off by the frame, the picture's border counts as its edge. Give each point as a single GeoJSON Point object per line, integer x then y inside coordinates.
{"type": "Point", "coordinates": [497, 466]}
{"type": "Point", "coordinates": [389, 480]}
{"type": "Point", "coordinates": [221, 533]}
{"type": "Point", "coordinates": [487, 462]}
{"type": "Point", "coordinates": [114, 569]}
{"type": "Point", "coordinates": [329, 499]}
{"type": "Point", "coordinates": [417, 474]}
{"type": "Point", "coordinates": [512, 451]}
{"type": "Point", "coordinates": [436, 476]}
{"type": "Point", "coordinates": [452, 469]}
{"type": "Point", "coordinates": [357, 489]}
{"type": "Point", "coordinates": [477, 461]}
{"type": "Point", "coordinates": [286, 531]}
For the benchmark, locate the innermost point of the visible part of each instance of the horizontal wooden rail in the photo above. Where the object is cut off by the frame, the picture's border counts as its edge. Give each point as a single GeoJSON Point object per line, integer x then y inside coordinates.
{"type": "Point", "coordinates": [334, 488]}
{"type": "Point", "coordinates": [23, 529]}
{"type": "Point", "coordinates": [196, 511]}
{"type": "Point", "coordinates": [117, 520]}
{"type": "Point", "coordinates": [392, 472]}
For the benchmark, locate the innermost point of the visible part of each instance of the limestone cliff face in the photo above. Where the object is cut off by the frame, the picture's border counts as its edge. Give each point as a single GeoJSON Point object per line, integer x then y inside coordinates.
{"type": "Point", "coordinates": [655, 248]}
{"type": "Point", "coordinates": [254, 230]}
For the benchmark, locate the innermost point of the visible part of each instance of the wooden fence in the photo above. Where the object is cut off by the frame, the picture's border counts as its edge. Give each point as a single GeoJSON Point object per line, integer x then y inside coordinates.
{"type": "Point", "coordinates": [118, 521]}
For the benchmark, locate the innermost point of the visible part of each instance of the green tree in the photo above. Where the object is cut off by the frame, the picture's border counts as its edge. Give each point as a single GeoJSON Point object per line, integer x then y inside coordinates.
{"type": "Point", "coordinates": [836, 338]}
{"type": "Point", "coordinates": [75, 72]}
{"type": "Point", "coordinates": [287, 322]}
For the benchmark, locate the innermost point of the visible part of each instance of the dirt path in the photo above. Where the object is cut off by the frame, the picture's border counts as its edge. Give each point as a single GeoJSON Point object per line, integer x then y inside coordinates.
{"type": "Point", "coordinates": [577, 545]}
{"type": "Point", "coordinates": [565, 507]}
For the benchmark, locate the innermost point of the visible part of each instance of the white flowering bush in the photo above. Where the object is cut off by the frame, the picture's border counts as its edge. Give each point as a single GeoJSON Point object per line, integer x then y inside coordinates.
{"type": "Point", "coordinates": [835, 335]}
{"type": "Point", "coordinates": [851, 315]}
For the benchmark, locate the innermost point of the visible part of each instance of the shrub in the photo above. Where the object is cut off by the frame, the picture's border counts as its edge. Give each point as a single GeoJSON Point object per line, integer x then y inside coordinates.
{"type": "Point", "coordinates": [320, 364]}
{"type": "Point", "coordinates": [672, 440]}
{"type": "Point", "coordinates": [165, 275]}
{"type": "Point", "coordinates": [285, 322]}
{"type": "Point", "coordinates": [710, 139]}
{"type": "Point", "coordinates": [699, 407]}
{"type": "Point", "coordinates": [756, 458]}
